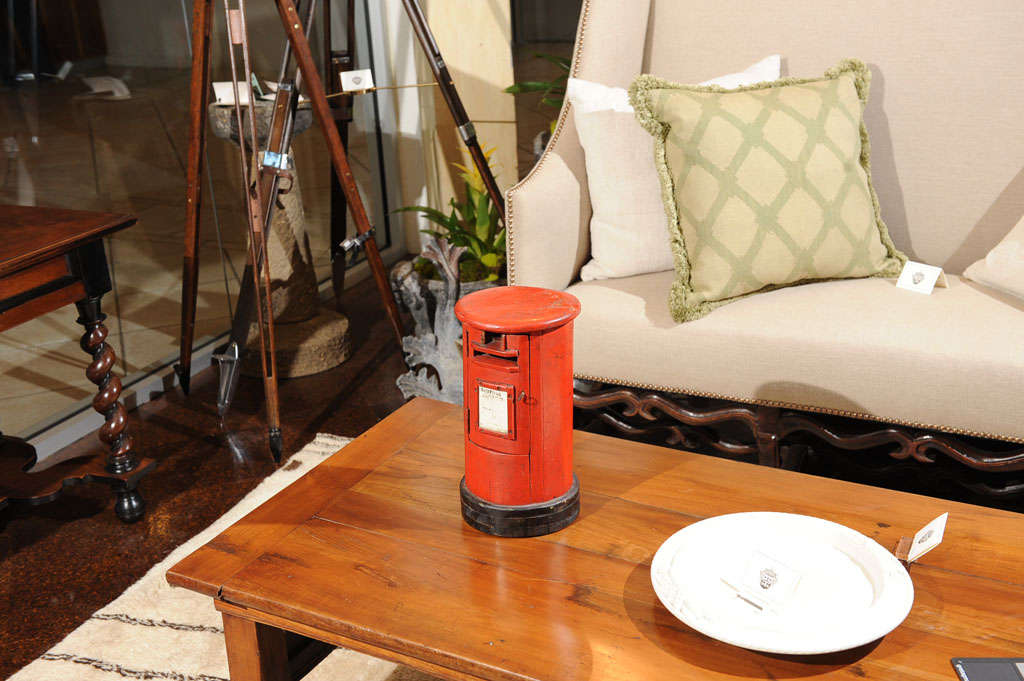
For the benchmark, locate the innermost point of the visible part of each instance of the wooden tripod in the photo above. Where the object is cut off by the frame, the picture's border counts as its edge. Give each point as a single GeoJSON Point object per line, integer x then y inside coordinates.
{"type": "Point", "coordinates": [349, 195]}
{"type": "Point", "coordinates": [202, 15]}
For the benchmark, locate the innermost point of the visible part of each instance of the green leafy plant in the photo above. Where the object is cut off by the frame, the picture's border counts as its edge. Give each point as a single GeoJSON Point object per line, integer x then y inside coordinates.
{"type": "Point", "coordinates": [472, 222]}
{"type": "Point", "coordinates": [553, 91]}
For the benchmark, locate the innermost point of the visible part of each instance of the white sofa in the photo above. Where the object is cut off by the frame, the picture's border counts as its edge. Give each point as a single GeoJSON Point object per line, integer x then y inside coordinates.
{"type": "Point", "coordinates": [945, 120]}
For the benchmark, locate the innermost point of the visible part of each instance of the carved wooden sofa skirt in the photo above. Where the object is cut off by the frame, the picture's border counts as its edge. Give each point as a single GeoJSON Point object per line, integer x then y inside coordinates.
{"type": "Point", "coordinates": [947, 154]}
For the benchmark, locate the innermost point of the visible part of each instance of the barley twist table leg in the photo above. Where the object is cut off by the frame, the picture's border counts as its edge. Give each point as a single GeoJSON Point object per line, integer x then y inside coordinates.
{"type": "Point", "coordinates": [129, 505]}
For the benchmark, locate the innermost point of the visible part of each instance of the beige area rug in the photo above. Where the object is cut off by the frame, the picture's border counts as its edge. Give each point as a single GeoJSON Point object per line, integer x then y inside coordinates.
{"type": "Point", "coordinates": [155, 631]}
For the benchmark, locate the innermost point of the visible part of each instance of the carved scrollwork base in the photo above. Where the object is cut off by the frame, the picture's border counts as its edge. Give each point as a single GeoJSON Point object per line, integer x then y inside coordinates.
{"type": "Point", "coordinates": [785, 437]}
{"type": "Point", "coordinates": [675, 419]}
{"type": "Point", "coordinates": [908, 443]}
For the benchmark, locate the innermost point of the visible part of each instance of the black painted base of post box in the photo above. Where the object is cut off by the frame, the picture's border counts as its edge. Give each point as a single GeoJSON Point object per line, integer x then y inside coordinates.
{"type": "Point", "coordinates": [530, 520]}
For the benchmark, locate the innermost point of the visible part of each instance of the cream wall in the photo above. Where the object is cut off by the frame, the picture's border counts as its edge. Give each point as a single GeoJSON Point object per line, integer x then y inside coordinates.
{"type": "Point", "coordinates": [404, 54]}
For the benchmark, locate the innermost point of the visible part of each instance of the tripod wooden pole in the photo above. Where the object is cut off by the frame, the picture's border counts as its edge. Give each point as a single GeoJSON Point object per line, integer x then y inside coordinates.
{"type": "Point", "coordinates": [252, 195]}
{"type": "Point", "coordinates": [342, 108]}
{"type": "Point", "coordinates": [318, 100]}
{"type": "Point", "coordinates": [451, 97]}
{"type": "Point", "coordinates": [199, 92]}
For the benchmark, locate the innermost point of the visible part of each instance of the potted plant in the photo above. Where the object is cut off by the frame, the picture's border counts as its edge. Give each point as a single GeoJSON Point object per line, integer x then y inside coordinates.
{"type": "Point", "coordinates": [464, 252]}
{"type": "Point", "coordinates": [471, 223]}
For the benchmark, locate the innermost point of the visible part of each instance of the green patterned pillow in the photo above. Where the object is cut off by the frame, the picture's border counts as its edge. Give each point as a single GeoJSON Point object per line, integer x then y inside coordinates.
{"type": "Point", "coordinates": [765, 186]}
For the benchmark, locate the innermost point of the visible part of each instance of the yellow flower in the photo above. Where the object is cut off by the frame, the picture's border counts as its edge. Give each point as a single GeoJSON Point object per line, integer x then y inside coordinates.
{"type": "Point", "coordinates": [470, 174]}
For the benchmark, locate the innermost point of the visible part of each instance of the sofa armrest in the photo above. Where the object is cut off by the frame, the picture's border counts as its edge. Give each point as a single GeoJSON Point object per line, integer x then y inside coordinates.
{"type": "Point", "coordinates": [548, 214]}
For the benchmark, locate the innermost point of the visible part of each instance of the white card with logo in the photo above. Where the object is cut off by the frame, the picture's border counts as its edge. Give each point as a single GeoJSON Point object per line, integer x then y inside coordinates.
{"type": "Point", "coordinates": [764, 581]}
{"type": "Point", "coordinates": [927, 538]}
{"type": "Point", "coordinates": [921, 278]}
{"type": "Point", "coordinates": [356, 80]}
{"type": "Point", "coordinates": [492, 410]}
{"type": "Point", "coordinates": [224, 93]}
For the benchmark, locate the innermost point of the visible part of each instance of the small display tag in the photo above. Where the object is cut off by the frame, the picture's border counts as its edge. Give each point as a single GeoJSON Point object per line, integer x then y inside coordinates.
{"type": "Point", "coordinates": [356, 80]}
{"type": "Point", "coordinates": [224, 93]}
{"type": "Point", "coordinates": [921, 278]}
{"type": "Point", "coordinates": [763, 581]}
{"type": "Point", "coordinates": [492, 410]}
{"type": "Point", "coordinates": [927, 538]}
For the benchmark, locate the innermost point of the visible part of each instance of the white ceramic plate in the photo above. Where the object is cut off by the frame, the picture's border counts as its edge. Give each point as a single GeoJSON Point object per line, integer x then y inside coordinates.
{"type": "Point", "coordinates": [851, 590]}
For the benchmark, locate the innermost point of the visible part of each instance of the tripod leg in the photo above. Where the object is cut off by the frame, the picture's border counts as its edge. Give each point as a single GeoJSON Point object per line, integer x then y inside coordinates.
{"type": "Point", "coordinates": [451, 97]}
{"type": "Point", "coordinates": [318, 99]}
{"type": "Point", "coordinates": [230, 360]}
{"type": "Point", "coordinates": [338, 61]}
{"type": "Point", "coordinates": [339, 229]}
{"type": "Point", "coordinates": [202, 15]}
{"type": "Point", "coordinates": [253, 198]}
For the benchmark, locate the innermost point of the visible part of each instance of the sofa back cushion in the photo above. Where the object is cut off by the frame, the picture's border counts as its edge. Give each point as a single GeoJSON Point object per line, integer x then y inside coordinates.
{"type": "Point", "coordinates": [946, 107]}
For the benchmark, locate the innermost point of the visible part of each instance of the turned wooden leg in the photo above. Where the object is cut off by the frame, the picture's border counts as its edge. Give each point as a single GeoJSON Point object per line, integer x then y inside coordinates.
{"type": "Point", "coordinates": [768, 437]}
{"type": "Point", "coordinates": [256, 652]}
{"type": "Point", "coordinates": [120, 460]}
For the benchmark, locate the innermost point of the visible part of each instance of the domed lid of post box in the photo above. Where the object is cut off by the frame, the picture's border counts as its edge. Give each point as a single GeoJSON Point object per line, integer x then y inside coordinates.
{"type": "Point", "coordinates": [517, 309]}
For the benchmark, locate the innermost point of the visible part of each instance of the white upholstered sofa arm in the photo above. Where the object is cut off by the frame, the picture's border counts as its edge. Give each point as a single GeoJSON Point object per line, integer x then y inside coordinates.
{"type": "Point", "coordinates": [548, 214]}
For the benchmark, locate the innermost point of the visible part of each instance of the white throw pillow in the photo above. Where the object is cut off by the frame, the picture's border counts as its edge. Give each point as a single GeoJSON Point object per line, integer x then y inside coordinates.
{"type": "Point", "coordinates": [629, 230]}
{"type": "Point", "coordinates": [1003, 267]}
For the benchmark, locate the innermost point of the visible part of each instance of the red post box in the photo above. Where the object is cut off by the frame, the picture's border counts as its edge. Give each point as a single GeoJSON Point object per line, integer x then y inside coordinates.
{"type": "Point", "coordinates": [517, 383]}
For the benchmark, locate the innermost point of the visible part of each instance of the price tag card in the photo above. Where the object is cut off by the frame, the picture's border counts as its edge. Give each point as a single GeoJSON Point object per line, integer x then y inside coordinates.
{"type": "Point", "coordinates": [492, 410]}
{"type": "Point", "coordinates": [927, 538]}
{"type": "Point", "coordinates": [921, 278]}
{"type": "Point", "coordinates": [356, 80]}
{"type": "Point", "coordinates": [764, 582]}
{"type": "Point", "coordinates": [224, 93]}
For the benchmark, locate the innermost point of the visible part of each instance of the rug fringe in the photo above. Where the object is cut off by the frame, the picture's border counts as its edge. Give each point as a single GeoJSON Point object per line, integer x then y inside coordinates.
{"type": "Point", "coordinates": [325, 443]}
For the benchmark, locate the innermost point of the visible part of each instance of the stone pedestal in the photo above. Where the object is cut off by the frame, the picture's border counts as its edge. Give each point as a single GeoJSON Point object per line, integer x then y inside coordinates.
{"type": "Point", "coordinates": [433, 351]}
{"type": "Point", "coordinates": [310, 338]}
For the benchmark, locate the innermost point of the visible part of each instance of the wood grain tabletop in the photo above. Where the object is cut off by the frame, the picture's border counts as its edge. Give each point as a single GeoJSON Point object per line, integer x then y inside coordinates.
{"type": "Point", "coordinates": [368, 550]}
{"type": "Point", "coordinates": [31, 234]}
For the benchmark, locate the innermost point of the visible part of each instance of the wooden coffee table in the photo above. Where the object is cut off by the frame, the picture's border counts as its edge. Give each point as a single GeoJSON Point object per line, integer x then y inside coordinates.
{"type": "Point", "coordinates": [368, 551]}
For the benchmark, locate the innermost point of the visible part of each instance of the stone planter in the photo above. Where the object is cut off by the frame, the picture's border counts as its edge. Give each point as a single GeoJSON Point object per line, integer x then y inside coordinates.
{"type": "Point", "coordinates": [434, 351]}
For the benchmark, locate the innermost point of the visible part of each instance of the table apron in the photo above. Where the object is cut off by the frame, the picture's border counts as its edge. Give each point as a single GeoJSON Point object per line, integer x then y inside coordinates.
{"type": "Point", "coordinates": [350, 643]}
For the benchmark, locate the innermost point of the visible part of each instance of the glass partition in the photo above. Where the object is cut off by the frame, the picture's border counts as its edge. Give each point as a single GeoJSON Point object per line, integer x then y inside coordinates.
{"type": "Point", "coordinates": [111, 136]}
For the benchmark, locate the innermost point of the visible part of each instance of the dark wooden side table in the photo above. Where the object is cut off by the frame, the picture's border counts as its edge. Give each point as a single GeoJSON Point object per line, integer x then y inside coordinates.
{"type": "Point", "coordinates": [50, 257]}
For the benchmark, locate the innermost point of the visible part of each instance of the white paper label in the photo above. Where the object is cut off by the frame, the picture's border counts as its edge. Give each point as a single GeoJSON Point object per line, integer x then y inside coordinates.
{"type": "Point", "coordinates": [356, 80]}
{"type": "Point", "coordinates": [764, 581]}
{"type": "Point", "coordinates": [492, 410]}
{"type": "Point", "coordinates": [927, 538]}
{"type": "Point", "coordinates": [921, 278]}
{"type": "Point", "coordinates": [224, 93]}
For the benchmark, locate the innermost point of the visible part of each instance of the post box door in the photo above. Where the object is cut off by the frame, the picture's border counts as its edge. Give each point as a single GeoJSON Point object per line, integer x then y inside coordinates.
{"type": "Point", "coordinates": [497, 380]}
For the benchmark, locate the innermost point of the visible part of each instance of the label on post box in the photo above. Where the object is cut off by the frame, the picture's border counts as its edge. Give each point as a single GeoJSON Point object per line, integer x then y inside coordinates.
{"type": "Point", "coordinates": [492, 410]}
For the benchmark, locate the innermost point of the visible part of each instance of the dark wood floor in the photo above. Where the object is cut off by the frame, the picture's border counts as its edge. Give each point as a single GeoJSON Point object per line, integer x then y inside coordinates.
{"type": "Point", "coordinates": [60, 562]}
